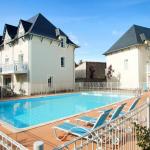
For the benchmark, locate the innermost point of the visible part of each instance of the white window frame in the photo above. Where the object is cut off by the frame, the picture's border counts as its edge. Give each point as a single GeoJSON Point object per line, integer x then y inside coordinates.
{"type": "Point", "coordinates": [6, 60]}
{"type": "Point", "coordinates": [19, 56]}
{"type": "Point", "coordinates": [62, 41]}
{"type": "Point", "coordinates": [126, 64]}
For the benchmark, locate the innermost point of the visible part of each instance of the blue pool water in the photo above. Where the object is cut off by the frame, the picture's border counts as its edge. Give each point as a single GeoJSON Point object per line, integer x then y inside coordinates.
{"type": "Point", "coordinates": [33, 111]}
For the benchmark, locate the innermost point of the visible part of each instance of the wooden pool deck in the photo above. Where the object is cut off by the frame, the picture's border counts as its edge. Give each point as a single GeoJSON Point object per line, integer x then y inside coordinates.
{"type": "Point", "coordinates": [45, 133]}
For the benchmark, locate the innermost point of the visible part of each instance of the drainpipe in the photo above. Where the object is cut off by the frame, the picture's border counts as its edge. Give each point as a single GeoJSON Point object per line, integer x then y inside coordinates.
{"type": "Point", "coordinates": [148, 113]}
{"type": "Point", "coordinates": [73, 71]}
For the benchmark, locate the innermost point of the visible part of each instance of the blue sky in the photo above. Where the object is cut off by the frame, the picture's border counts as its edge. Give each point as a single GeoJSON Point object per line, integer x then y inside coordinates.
{"type": "Point", "coordinates": [93, 24]}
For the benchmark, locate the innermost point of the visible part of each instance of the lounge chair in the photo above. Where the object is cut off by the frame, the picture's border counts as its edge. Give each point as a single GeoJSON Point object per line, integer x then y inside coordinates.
{"type": "Point", "coordinates": [132, 106]}
{"type": "Point", "coordinates": [92, 120]}
{"type": "Point", "coordinates": [117, 140]}
{"type": "Point", "coordinates": [80, 130]}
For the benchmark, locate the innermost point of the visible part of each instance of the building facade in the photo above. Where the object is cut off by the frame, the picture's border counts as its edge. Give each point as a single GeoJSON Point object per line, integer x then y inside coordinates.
{"type": "Point", "coordinates": [36, 56]}
{"type": "Point", "coordinates": [129, 58]}
{"type": "Point", "coordinates": [90, 72]}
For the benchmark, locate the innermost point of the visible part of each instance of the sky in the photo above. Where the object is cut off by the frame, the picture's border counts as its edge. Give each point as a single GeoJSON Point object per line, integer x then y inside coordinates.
{"type": "Point", "coordinates": [94, 25]}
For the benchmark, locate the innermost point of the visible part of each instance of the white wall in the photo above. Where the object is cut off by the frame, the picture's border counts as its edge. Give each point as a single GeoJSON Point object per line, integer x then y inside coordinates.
{"type": "Point", "coordinates": [144, 60]}
{"type": "Point", "coordinates": [12, 52]}
{"type": "Point", "coordinates": [80, 71]}
{"type": "Point", "coordinates": [128, 78]}
{"type": "Point", "coordinates": [45, 62]}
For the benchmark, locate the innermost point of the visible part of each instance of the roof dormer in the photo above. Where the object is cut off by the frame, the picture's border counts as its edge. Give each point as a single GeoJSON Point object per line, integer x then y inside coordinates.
{"type": "Point", "coordinates": [63, 41]}
{"type": "Point", "coordinates": [1, 40]}
{"type": "Point", "coordinates": [23, 27]}
{"type": "Point", "coordinates": [57, 30]}
{"type": "Point", "coordinates": [21, 30]}
{"type": "Point", "coordinates": [9, 33]}
{"type": "Point", "coordinates": [7, 38]}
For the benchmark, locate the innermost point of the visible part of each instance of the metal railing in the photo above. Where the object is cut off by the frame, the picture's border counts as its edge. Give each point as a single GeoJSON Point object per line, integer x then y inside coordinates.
{"type": "Point", "coordinates": [25, 88]}
{"type": "Point", "coordinates": [110, 87]}
{"type": "Point", "coordinates": [148, 68]}
{"type": "Point", "coordinates": [7, 143]}
{"type": "Point", "coordinates": [117, 134]}
{"type": "Point", "coordinates": [14, 68]}
{"type": "Point", "coordinates": [67, 86]}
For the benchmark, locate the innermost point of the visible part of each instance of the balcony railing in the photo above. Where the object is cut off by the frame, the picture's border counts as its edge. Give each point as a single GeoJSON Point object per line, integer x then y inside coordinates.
{"type": "Point", "coordinates": [8, 143]}
{"type": "Point", "coordinates": [14, 68]}
{"type": "Point", "coordinates": [148, 68]}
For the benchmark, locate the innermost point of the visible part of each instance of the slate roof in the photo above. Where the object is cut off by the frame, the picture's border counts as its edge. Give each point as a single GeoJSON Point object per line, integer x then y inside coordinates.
{"type": "Point", "coordinates": [38, 25]}
{"type": "Point", "coordinates": [12, 30]}
{"type": "Point", "coordinates": [43, 27]}
{"type": "Point", "coordinates": [26, 25]}
{"type": "Point", "coordinates": [1, 40]}
{"type": "Point", "coordinates": [135, 35]}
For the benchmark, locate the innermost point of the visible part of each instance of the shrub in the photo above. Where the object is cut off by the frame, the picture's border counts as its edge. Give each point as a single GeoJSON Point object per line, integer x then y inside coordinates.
{"type": "Point", "coordinates": [143, 136]}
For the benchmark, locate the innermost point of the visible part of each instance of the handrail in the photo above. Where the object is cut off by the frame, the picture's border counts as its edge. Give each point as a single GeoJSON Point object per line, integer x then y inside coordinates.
{"type": "Point", "coordinates": [9, 144]}
{"type": "Point", "coordinates": [14, 67]}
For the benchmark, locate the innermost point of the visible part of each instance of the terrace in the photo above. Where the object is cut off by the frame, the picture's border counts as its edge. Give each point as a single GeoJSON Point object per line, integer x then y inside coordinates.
{"type": "Point", "coordinates": [100, 138]}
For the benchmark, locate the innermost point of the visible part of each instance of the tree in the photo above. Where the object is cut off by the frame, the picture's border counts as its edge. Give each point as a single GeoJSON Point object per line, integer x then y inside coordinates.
{"type": "Point", "coordinates": [92, 71]}
{"type": "Point", "coordinates": [80, 62]}
{"type": "Point", "coordinates": [110, 72]}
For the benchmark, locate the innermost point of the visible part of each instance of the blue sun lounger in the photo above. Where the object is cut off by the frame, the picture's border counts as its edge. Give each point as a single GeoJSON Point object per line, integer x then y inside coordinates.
{"type": "Point", "coordinates": [79, 130]}
{"type": "Point", "coordinates": [133, 105]}
{"type": "Point", "coordinates": [92, 120]}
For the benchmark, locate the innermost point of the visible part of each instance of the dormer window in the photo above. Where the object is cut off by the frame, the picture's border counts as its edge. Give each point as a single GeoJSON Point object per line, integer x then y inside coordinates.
{"type": "Point", "coordinates": [57, 32]}
{"type": "Point", "coordinates": [62, 44]}
{"type": "Point", "coordinates": [62, 41]}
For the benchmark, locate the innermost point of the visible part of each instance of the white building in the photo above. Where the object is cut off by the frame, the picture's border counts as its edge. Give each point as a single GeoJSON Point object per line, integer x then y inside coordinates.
{"type": "Point", "coordinates": [36, 56]}
{"type": "Point", "coordinates": [130, 58]}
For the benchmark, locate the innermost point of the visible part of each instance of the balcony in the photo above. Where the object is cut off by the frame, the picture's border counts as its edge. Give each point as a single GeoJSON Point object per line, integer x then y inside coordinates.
{"type": "Point", "coordinates": [148, 68]}
{"type": "Point", "coordinates": [17, 68]}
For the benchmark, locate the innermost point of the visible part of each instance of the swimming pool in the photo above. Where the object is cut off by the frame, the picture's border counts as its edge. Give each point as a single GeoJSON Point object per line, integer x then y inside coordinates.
{"type": "Point", "coordinates": [34, 111]}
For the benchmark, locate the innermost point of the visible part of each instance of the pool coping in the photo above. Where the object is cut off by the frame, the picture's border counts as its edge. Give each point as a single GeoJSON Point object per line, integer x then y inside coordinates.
{"type": "Point", "coordinates": [16, 130]}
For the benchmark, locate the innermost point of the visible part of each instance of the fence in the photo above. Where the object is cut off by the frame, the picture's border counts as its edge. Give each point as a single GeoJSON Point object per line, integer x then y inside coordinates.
{"type": "Point", "coordinates": [45, 89]}
{"type": "Point", "coordinates": [118, 134]}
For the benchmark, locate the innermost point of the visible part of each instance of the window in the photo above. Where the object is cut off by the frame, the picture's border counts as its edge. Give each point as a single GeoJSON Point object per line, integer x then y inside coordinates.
{"type": "Point", "coordinates": [63, 42]}
{"type": "Point", "coordinates": [62, 62]}
{"type": "Point", "coordinates": [6, 60]}
{"type": "Point", "coordinates": [126, 64]}
{"type": "Point", "coordinates": [20, 58]}
{"type": "Point", "coordinates": [50, 82]}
